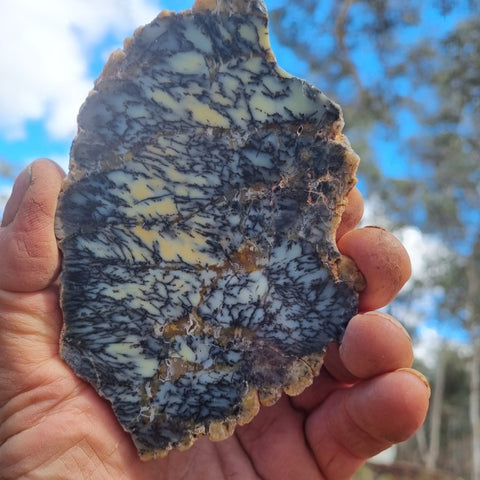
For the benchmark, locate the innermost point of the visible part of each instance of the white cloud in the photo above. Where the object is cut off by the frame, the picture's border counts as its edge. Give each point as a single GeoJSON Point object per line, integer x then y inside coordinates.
{"type": "Point", "coordinates": [45, 55]}
{"type": "Point", "coordinates": [5, 191]}
{"type": "Point", "coordinates": [427, 345]}
{"type": "Point", "coordinates": [430, 341]}
{"type": "Point", "coordinates": [424, 250]}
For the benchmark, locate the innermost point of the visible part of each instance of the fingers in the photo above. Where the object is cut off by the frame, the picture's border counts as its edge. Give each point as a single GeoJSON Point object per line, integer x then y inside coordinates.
{"type": "Point", "coordinates": [357, 423]}
{"type": "Point", "coordinates": [378, 254]}
{"type": "Point", "coordinates": [30, 258]}
{"type": "Point", "coordinates": [374, 344]}
{"type": "Point", "coordinates": [383, 261]}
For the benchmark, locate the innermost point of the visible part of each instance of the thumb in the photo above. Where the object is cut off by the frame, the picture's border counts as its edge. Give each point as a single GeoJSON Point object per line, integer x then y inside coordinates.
{"type": "Point", "coordinates": [29, 258]}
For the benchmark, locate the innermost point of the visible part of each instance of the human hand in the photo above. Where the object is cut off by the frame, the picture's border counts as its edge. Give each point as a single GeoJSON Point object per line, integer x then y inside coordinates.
{"type": "Point", "coordinates": [54, 426]}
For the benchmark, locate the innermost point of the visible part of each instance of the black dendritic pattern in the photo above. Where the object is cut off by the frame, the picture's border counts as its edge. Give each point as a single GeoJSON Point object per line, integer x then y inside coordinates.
{"type": "Point", "coordinates": [196, 227]}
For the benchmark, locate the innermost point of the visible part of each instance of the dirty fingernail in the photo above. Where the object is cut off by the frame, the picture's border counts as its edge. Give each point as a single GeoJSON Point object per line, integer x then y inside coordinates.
{"type": "Point", "coordinates": [419, 376]}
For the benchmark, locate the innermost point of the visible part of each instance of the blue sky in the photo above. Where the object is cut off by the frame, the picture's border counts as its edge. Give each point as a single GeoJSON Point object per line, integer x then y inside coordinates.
{"type": "Point", "coordinates": [49, 73]}
{"type": "Point", "coordinates": [48, 69]}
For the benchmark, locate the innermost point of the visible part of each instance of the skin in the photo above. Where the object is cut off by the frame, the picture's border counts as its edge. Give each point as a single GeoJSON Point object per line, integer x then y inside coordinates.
{"type": "Point", "coordinates": [54, 426]}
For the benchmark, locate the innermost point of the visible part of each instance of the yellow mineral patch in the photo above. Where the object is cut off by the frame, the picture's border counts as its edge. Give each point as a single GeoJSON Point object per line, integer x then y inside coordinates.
{"type": "Point", "coordinates": [140, 189]}
{"type": "Point", "coordinates": [248, 32]}
{"type": "Point", "coordinates": [161, 151]}
{"type": "Point", "coordinates": [263, 106]}
{"type": "Point", "coordinates": [187, 247]}
{"type": "Point", "coordinates": [155, 208]}
{"type": "Point", "coordinates": [186, 353]}
{"type": "Point", "coordinates": [188, 62]}
{"type": "Point", "coordinates": [126, 352]}
{"type": "Point", "coordinates": [164, 14]}
{"type": "Point", "coordinates": [190, 273]}
{"type": "Point", "coordinates": [220, 99]}
{"type": "Point", "coordinates": [348, 271]}
{"type": "Point", "coordinates": [164, 98]}
{"type": "Point", "coordinates": [184, 178]}
{"type": "Point", "coordinates": [133, 290]}
{"type": "Point", "coordinates": [230, 83]}
{"type": "Point", "coordinates": [181, 190]}
{"type": "Point", "coordinates": [146, 367]}
{"type": "Point", "coordinates": [204, 114]}
{"type": "Point", "coordinates": [188, 442]}
{"type": "Point", "coordinates": [115, 59]}
{"type": "Point", "coordinates": [147, 237]}
{"type": "Point", "coordinates": [167, 207]}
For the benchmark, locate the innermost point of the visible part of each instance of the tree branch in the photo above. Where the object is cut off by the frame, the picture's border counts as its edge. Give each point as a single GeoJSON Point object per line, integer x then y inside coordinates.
{"type": "Point", "coordinates": [340, 35]}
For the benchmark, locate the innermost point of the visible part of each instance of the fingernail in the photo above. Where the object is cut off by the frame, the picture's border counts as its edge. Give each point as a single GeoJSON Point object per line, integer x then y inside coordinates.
{"type": "Point", "coordinates": [418, 375]}
{"type": "Point", "coordinates": [393, 322]}
{"type": "Point", "coordinates": [376, 227]}
{"type": "Point", "coordinates": [20, 187]}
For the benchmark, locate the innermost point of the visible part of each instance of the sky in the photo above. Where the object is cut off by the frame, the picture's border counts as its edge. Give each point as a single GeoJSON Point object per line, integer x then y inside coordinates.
{"type": "Point", "coordinates": [51, 53]}
{"type": "Point", "coordinates": [49, 68]}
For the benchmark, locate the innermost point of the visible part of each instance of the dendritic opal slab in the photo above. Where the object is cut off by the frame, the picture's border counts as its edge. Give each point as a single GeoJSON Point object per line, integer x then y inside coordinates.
{"type": "Point", "coordinates": [200, 273]}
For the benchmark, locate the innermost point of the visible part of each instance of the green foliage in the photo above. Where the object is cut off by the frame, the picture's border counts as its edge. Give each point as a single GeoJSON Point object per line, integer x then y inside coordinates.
{"type": "Point", "coordinates": [403, 79]}
{"type": "Point", "coordinates": [407, 74]}
{"type": "Point", "coordinates": [455, 427]}
{"type": "Point", "coordinates": [423, 94]}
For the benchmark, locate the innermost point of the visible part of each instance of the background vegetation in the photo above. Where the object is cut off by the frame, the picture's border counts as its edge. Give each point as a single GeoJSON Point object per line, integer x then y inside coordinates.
{"type": "Point", "coordinates": [407, 74]}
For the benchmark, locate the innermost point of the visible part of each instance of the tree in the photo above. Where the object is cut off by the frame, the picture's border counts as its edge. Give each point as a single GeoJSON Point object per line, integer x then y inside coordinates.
{"type": "Point", "coordinates": [407, 75]}
{"type": "Point", "coordinates": [444, 440]}
{"type": "Point", "coordinates": [473, 319]}
{"type": "Point", "coordinates": [451, 147]}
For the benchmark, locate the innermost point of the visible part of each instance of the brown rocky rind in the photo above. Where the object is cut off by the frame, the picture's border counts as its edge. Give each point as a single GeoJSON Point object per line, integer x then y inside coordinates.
{"type": "Point", "coordinates": [201, 277]}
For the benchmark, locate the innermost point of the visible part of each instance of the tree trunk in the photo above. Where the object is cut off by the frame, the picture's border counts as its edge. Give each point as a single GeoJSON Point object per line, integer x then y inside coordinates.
{"type": "Point", "coordinates": [473, 309]}
{"type": "Point", "coordinates": [422, 444]}
{"type": "Point", "coordinates": [433, 450]}
{"type": "Point", "coordinates": [474, 409]}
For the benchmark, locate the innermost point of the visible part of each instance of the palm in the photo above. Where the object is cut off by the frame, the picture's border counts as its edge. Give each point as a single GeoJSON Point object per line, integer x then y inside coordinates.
{"type": "Point", "coordinates": [78, 428]}
{"type": "Point", "coordinates": [53, 425]}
